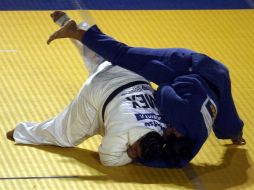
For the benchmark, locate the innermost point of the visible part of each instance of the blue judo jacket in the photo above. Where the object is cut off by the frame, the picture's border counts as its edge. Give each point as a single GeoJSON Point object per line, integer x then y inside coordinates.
{"type": "Point", "coordinates": [188, 81]}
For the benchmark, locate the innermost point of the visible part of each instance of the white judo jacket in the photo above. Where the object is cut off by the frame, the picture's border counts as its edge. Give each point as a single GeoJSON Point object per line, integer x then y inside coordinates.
{"type": "Point", "coordinates": [129, 115]}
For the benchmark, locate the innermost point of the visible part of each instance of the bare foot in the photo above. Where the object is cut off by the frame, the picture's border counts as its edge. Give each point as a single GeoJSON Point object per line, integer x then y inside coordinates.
{"type": "Point", "coordinates": [240, 141]}
{"type": "Point", "coordinates": [9, 135]}
{"type": "Point", "coordinates": [59, 17]}
{"type": "Point", "coordinates": [69, 30]}
{"type": "Point", "coordinates": [56, 15]}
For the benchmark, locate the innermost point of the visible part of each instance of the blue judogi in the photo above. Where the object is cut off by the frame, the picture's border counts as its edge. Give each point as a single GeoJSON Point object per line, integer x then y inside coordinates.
{"type": "Point", "coordinates": [189, 82]}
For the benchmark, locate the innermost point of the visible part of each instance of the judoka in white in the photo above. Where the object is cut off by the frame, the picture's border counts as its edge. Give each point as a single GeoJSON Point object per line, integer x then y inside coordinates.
{"type": "Point", "coordinates": [128, 116]}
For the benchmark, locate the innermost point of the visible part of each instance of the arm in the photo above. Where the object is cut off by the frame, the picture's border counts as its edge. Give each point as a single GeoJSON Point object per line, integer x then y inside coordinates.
{"type": "Point", "coordinates": [171, 105]}
{"type": "Point", "coordinates": [181, 103]}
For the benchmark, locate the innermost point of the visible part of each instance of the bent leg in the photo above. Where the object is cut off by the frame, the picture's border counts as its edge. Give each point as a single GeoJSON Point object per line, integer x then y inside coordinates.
{"type": "Point", "coordinates": [67, 129]}
{"type": "Point", "coordinates": [148, 62]}
{"type": "Point", "coordinates": [91, 59]}
{"type": "Point", "coordinates": [228, 124]}
{"type": "Point", "coordinates": [72, 126]}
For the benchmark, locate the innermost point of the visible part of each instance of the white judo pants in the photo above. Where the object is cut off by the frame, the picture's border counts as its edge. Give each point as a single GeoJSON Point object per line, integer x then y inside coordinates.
{"type": "Point", "coordinates": [72, 126]}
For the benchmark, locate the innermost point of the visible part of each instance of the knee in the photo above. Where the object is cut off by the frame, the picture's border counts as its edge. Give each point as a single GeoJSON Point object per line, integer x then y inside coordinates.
{"type": "Point", "coordinates": [224, 72]}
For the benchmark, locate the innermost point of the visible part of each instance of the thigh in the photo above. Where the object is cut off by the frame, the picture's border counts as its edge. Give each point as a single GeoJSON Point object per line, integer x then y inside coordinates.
{"type": "Point", "coordinates": [79, 120]}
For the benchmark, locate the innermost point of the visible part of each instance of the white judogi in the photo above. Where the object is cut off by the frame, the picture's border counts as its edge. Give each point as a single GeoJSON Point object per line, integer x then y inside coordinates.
{"type": "Point", "coordinates": [128, 117]}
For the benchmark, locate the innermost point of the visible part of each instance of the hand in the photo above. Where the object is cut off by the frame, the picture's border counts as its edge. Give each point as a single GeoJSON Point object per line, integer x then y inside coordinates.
{"type": "Point", "coordinates": [189, 87]}
{"type": "Point", "coordinates": [9, 135]}
{"type": "Point", "coordinates": [169, 131]}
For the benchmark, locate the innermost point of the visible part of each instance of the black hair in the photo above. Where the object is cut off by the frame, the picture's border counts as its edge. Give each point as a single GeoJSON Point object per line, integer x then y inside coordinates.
{"type": "Point", "coordinates": [151, 146]}
{"type": "Point", "coordinates": [176, 149]}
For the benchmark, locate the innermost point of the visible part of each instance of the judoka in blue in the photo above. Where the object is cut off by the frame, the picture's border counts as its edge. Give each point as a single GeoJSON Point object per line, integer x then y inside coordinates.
{"type": "Point", "coordinates": [188, 81]}
{"type": "Point", "coordinates": [194, 91]}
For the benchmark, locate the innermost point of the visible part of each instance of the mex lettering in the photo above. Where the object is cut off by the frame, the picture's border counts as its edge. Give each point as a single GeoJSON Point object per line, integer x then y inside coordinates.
{"type": "Point", "coordinates": [142, 101]}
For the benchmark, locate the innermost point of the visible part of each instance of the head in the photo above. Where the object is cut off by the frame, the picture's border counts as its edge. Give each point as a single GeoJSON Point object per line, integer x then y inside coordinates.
{"type": "Point", "coordinates": [177, 148]}
{"type": "Point", "coordinates": [147, 148]}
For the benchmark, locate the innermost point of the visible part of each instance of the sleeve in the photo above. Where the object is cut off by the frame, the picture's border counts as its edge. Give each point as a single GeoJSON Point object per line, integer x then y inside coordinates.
{"type": "Point", "coordinates": [113, 151]}
{"type": "Point", "coordinates": [181, 101]}
{"type": "Point", "coordinates": [146, 62]}
{"type": "Point", "coordinates": [171, 105]}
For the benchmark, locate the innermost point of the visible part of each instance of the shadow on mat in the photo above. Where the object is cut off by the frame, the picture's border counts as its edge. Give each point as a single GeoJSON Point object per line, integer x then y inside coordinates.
{"type": "Point", "coordinates": [234, 168]}
{"type": "Point", "coordinates": [231, 172]}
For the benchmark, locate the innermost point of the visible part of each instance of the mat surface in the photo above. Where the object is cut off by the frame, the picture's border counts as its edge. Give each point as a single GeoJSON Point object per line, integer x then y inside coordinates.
{"type": "Point", "coordinates": [37, 81]}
